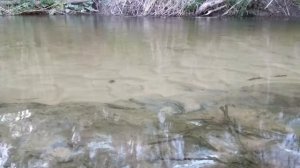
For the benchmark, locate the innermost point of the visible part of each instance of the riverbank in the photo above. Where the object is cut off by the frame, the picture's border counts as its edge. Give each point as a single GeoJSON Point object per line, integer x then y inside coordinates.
{"type": "Point", "coordinates": [287, 8]}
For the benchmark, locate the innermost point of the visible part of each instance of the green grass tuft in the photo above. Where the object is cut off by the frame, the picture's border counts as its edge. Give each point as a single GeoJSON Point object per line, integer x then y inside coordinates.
{"type": "Point", "coordinates": [192, 8]}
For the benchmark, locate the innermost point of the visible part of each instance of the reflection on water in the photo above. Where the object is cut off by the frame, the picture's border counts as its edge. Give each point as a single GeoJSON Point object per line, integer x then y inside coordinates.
{"type": "Point", "coordinates": [67, 59]}
{"type": "Point", "coordinates": [114, 92]}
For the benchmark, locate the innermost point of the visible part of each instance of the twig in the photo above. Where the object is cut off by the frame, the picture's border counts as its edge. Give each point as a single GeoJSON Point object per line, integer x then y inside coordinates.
{"type": "Point", "coordinates": [232, 7]}
{"type": "Point", "coordinates": [279, 76]}
{"type": "Point", "coordinates": [269, 4]}
{"type": "Point", "coordinates": [224, 109]}
{"type": "Point", "coordinates": [192, 159]}
{"type": "Point", "coordinates": [214, 10]}
{"type": "Point", "coordinates": [281, 7]}
{"type": "Point", "coordinates": [287, 9]}
{"type": "Point", "coordinates": [164, 141]}
{"type": "Point", "coordinates": [255, 78]}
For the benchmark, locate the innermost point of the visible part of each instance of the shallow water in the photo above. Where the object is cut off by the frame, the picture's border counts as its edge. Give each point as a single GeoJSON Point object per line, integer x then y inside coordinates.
{"type": "Point", "coordinates": [89, 91]}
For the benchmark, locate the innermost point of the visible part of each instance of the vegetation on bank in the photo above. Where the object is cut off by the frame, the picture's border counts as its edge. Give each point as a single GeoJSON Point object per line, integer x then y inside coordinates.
{"type": "Point", "coordinates": [153, 7]}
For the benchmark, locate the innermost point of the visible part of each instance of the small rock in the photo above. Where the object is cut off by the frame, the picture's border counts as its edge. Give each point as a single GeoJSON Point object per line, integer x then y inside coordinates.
{"type": "Point", "coordinates": [61, 154]}
{"type": "Point", "coordinates": [67, 10]}
{"type": "Point", "coordinates": [52, 11]}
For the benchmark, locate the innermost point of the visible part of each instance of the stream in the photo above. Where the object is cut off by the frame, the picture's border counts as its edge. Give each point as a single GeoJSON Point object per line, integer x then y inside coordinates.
{"type": "Point", "coordinates": [131, 92]}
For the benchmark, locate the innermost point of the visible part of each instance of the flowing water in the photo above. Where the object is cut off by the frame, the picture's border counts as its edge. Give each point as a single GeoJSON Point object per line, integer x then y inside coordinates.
{"type": "Point", "coordinates": [110, 92]}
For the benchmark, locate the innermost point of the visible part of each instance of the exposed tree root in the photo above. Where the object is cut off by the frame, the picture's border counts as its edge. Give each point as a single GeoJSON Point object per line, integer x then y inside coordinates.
{"type": "Point", "coordinates": [210, 5]}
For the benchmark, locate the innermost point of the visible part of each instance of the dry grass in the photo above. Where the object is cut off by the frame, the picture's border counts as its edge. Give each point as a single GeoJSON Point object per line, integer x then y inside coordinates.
{"type": "Point", "coordinates": [146, 7]}
{"type": "Point", "coordinates": [165, 7]}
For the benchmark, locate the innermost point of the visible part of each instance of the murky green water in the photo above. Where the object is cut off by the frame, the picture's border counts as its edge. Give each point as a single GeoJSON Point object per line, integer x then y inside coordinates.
{"type": "Point", "coordinates": [93, 92]}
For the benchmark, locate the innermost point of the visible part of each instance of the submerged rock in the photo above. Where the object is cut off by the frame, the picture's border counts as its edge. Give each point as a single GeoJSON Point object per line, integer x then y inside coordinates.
{"type": "Point", "coordinates": [295, 125]}
{"type": "Point", "coordinates": [151, 132]}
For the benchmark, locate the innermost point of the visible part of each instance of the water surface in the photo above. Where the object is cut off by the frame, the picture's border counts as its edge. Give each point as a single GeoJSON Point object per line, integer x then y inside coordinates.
{"type": "Point", "coordinates": [90, 91]}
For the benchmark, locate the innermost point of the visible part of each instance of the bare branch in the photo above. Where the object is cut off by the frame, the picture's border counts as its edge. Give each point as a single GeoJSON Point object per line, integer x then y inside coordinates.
{"type": "Point", "coordinates": [215, 10]}
{"type": "Point", "coordinates": [269, 4]}
{"type": "Point", "coordinates": [233, 6]}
